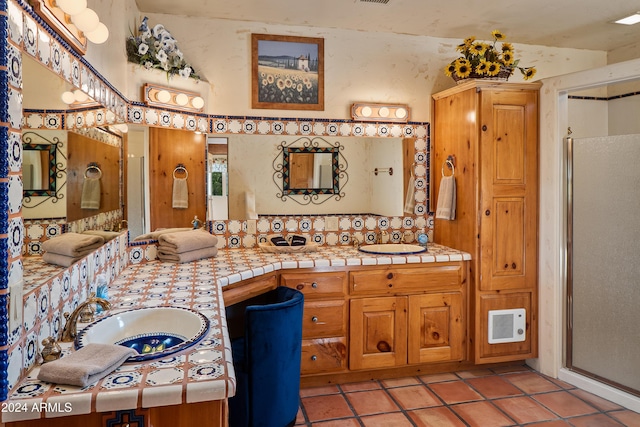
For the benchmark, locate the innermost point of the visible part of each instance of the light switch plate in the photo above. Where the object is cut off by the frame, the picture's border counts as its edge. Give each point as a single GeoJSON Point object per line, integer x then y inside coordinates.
{"type": "Point", "coordinates": [251, 226]}
{"type": "Point", "coordinates": [16, 291]}
{"type": "Point", "coordinates": [331, 223]}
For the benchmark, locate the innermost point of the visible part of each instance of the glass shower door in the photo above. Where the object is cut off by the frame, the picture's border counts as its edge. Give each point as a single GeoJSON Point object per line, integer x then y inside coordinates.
{"type": "Point", "coordinates": [603, 259]}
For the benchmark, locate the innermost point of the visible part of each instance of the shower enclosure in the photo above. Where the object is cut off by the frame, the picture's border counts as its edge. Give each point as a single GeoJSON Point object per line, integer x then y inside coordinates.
{"type": "Point", "coordinates": [603, 262]}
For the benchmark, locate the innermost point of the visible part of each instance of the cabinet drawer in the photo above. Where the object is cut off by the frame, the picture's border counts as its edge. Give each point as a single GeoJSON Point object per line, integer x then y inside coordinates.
{"type": "Point", "coordinates": [323, 355]}
{"type": "Point", "coordinates": [407, 280]}
{"type": "Point", "coordinates": [324, 319]}
{"type": "Point", "coordinates": [316, 285]}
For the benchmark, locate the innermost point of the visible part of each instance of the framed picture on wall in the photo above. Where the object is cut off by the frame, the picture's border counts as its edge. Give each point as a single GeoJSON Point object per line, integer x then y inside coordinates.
{"type": "Point", "coordinates": [287, 72]}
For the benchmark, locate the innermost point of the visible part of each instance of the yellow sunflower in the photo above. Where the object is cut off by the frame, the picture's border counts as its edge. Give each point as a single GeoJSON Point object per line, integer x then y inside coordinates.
{"type": "Point", "coordinates": [463, 69]}
{"type": "Point", "coordinates": [529, 73]}
{"type": "Point", "coordinates": [482, 67]}
{"type": "Point", "coordinates": [493, 68]}
{"type": "Point", "coordinates": [508, 58]}
{"type": "Point", "coordinates": [450, 69]}
{"type": "Point", "coordinates": [497, 34]}
{"type": "Point", "coordinates": [478, 49]}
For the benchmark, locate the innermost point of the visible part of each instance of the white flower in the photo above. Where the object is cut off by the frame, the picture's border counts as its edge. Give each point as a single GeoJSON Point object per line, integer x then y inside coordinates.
{"type": "Point", "coordinates": [185, 72]}
{"type": "Point", "coordinates": [161, 56]}
{"type": "Point", "coordinates": [146, 34]}
{"type": "Point", "coordinates": [158, 30]}
{"type": "Point", "coordinates": [168, 44]}
{"type": "Point", "coordinates": [148, 64]}
{"type": "Point", "coordinates": [143, 48]}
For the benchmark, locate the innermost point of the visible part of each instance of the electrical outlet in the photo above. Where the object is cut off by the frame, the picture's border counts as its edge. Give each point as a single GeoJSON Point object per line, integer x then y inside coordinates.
{"type": "Point", "coordinates": [15, 304]}
{"type": "Point", "coordinates": [331, 223]}
{"type": "Point", "coordinates": [251, 226]}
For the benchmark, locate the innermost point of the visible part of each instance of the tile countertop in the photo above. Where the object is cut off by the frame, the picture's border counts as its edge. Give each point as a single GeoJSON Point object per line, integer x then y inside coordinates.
{"type": "Point", "coordinates": [200, 373]}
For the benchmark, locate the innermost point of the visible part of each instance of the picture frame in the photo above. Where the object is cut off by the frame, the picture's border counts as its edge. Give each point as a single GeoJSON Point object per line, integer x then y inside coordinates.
{"type": "Point", "coordinates": [287, 72]}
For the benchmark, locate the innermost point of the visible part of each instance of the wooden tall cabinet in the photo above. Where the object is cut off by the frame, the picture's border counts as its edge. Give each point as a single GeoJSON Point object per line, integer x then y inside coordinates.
{"type": "Point", "coordinates": [489, 131]}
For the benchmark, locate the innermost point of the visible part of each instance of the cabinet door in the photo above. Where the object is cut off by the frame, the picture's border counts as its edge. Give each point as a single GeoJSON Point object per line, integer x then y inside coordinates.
{"type": "Point", "coordinates": [436, 328]}
{"type": "Point", "coordinates": [378, 335]}
{"type": "Point", "coordinates": [509, 190]}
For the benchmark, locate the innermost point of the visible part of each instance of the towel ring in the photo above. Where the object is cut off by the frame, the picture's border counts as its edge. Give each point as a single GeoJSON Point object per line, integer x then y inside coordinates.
{"type": "Point", "coordinates": [93, 168]}
{"type": "Point", "coordinates": [180, 169]}
{"type": "Point", "coordinates": [450, 164]}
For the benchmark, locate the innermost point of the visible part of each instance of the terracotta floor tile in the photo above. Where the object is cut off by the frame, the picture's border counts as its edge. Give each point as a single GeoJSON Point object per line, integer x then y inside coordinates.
{"type": "Point", "coordinates": [319, 408]}
{"type": "Point", "coordinates": [494, 387]}
{"type": "Point", "coordinates": [511, 369]}
{"type": "Point", "coordinates": [360, 386]}
{"type": "Point", "coordinates": [414, 397]}
{"type": "Point", "coordinates": [524, 409]}
{"type": "Point", "coordinates": [475, 373]}
{"type": "Point", "coordinates": [434, 378]}
{"type": "Point", "coordinates": [482, 414]}
{"type": "Point", "coordinates": [628, 418]}
{"type": "Point", "coordinates": [531, 382]}
{"type": "Point", "coordinates": [597, 401]}
{"type": "Point", "coordinates": [371, 402]}
{"type": "Point", "coordinates": [565, 404]}
{"type": "Point", "coordinates": [300, 417]}
{"type": "Point", "coordinates": [399, 382]}
{"type": "Point", "coordinates": [396, 419]}
{"type": "Point", "coordinates": [555, 423]}
{"type": "Point", "coordinates": [347, 422]}
{"type": "Point", "coordinates": [598, 420]}
{"type": "Point", "coordinates": [317, 391]}
{"type": "Point", "coordinates": [455, 392]}
{"type": "Point", "coordinates": [435, 417]}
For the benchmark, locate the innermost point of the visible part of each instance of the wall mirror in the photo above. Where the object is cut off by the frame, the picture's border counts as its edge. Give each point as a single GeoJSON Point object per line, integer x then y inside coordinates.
{"type": "Point", "coordinates": [40, 168]}
{"type": "Point", "coordinates": [310, 170]}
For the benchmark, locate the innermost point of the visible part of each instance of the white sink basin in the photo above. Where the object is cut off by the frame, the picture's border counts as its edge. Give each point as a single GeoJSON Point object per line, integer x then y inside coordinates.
{"type": "Point", "coordinates": [392, 249]}
{"type": "Point", "coordinates": [153, 332]}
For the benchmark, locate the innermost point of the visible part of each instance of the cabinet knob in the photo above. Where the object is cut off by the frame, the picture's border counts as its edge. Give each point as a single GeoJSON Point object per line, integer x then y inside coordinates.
{"type": "Point", "coordinates": [314, 319]}
{"type": "Point", "coordinates": [300, 286]}
{"type": "Point", "coordinates": [383, 347]}
{"type": "Point", "coordinates": [487, 212]}
{"type": "Point", "coordinates": [314, 285]}
{"type": "Point", "coordinates": [484, 128]}
{"type": "Point", "coordinates": [390, 276]}
{"type": "Point", "coordinates": [314, 357]}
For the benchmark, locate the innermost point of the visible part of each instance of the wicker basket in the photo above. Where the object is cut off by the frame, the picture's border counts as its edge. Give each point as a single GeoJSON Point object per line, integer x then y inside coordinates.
{"type": "Point", "coordinates": [503, 75]}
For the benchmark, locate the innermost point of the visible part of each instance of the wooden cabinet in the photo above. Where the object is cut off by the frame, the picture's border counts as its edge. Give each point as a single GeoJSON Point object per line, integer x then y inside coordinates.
{"type": "Point", "coordinates": [324, 319]}
{"type": "Point", "coordinates": [490, 132]}
{"type": "Point", "coordinates": [423, 322]}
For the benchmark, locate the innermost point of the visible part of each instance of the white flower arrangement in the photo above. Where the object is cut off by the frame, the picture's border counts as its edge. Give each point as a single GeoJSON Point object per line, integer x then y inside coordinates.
{"type": "Point", "coordinates": [156, 48]}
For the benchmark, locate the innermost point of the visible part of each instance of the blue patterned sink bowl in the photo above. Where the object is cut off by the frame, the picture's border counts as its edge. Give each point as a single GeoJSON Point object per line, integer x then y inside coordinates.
{"type": "Point", "coordinates": [392, 249]}
{"type": "Point", "coordinates": [154, 332]}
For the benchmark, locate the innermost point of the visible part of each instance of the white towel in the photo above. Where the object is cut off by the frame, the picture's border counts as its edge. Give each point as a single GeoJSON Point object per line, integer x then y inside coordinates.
{"type": "Point", "coordinates": [446, 208]}
{"type": "Point", "coordinates": [180, 193]}
{"type": "Point", "coordinates": [410, 200]}
{"type": "Point", "coordinates": [90, 198]}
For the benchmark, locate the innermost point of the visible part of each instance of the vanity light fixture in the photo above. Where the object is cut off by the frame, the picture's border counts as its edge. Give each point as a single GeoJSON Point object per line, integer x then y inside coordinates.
{"type": "Point", "coordinates": [370, 112]}
{"type": "Point", "coordinates": [160, 96]}
{"type": "Point", "coordinates": [77, 99]}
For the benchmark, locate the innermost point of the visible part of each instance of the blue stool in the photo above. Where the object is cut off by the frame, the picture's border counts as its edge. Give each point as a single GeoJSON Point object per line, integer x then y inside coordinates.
{"type": "Point", "coordinates": [267, 360]}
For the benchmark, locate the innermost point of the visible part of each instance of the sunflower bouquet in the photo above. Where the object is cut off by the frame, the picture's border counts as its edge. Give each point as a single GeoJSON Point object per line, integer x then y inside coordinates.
{"type": "Point", "coordinates": [485, 60]}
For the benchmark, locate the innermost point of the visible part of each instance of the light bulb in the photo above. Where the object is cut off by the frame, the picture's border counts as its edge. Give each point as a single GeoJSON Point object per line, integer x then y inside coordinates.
{"type": "Point", "coordinates": [401, 113]}
{"type": "Point", "coordinates": [182, 99]}
{"type": "Point", "coordinates": [163, 96]}
{"type": "Point", "coordinates": [86, 21]}
{"type": "Point", "coordinates": [68, 97]}
{"type": "Point", "coordinates": [80, 96]}
{"type": "Point", "coordinates": [197, 102]}
{"type": "Point", "coordinates": [72, 7]}
{"type": "Point", "coordinates": [99, 35]}
{"type": "Point", "coordinates": [383, 112]}
{"type": "Point", "coordinates": [366, 111]}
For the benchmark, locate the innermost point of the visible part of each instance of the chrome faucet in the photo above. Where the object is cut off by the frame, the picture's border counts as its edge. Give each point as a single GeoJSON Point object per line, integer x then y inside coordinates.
{"type": "Point", "coordinates": [84, 311]}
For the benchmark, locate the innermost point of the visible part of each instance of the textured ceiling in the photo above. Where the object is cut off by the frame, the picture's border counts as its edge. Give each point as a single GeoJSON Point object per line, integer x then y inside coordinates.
{"type": "Point", "coordinates": [581, 24]}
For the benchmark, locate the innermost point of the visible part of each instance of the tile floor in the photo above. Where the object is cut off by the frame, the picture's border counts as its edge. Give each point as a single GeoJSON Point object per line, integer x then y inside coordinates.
{"type": "Point", "coordinates": [507, 396]}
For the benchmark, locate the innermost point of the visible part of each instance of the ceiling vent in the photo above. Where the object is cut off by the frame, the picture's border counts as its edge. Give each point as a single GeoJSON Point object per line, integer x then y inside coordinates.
{"type": "Point", "coordinates": [375, 1]}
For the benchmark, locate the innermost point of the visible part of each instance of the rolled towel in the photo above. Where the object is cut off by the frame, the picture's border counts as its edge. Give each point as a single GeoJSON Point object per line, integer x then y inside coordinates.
{"type": "Point", "coordinates": [106, 235]}
{"type": "Point", "coordinates": [58, 259]}
{"type": "Point", "coordinates": [85, 366]}
{"type": "Point", "coordinates": [188, 256]}
{"type": "Point", "coordinates": [73, 244]}
{"type": "Point", "coordinates": [90, 198]}
{"type": "Point", "coordinates": [155, 234]}
{"type": "Point", "coordinates": [185, 241]}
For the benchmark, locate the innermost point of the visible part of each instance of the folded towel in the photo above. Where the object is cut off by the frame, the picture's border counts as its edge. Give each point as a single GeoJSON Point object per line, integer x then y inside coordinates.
{"type": "Point", "coordinates": [106, 235]}
{"type": "Point", "coordinates": [61, 260]}
{"type": "Point", "coordinates": [85, 366]}
{"type": "Point", "coordinates": [73, 244]}
{"type": "Point", "coordinates": [185, 241]}
{"type": "Point", "coordinates": [446, 208]}
{"type": "Point", "coordinates": [189, 256]}
{"type": "Point", "coordinates": [154, 235]}
{"type": "Point", "coordinates": [90, 198]}
{"type": "Point", "coordinates": [410, 200]}
{"type": "Point", "coordinates": [180, 193]}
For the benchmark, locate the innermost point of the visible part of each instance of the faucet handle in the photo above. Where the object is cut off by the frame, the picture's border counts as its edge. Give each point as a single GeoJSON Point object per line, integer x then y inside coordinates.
{"type": "Point", "coordinates": [87, 314]}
